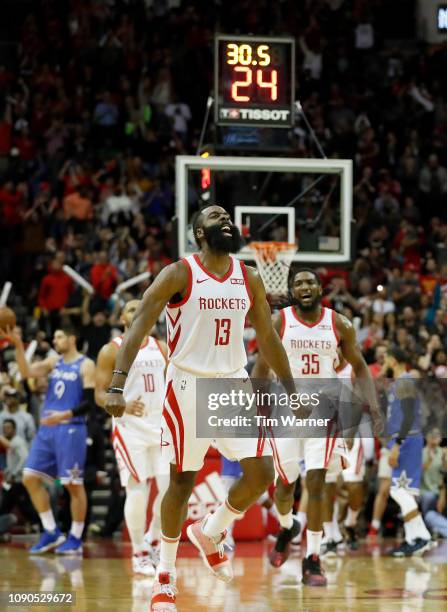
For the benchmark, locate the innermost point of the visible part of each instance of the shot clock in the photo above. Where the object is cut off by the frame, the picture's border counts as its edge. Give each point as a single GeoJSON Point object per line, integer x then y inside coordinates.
{"type": "Point", "coordinates": [254, 80]}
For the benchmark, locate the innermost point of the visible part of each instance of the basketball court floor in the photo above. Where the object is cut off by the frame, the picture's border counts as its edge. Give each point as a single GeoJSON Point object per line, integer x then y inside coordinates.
{"type": "Point", "coordinates": [102, 580]}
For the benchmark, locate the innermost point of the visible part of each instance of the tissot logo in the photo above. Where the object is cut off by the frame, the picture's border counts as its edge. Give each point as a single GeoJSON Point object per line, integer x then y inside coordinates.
{"type": "Point", "coordinates": [237, 281]}
{"type": "Point", "coordinates": [255, 114]}
{"type": "Point", "coordinates": [328, 327]}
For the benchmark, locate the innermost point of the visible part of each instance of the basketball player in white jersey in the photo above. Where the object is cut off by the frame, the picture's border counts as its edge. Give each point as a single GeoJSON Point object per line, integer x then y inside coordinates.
{"type": "Point", "coordinates": [136, 437]}
{"type": "Point", "coordinates": [310, 334]}
{"type": "Point", "coordinates": [207, 297]}
{"type": "Point", "coordinates": [352, 476]}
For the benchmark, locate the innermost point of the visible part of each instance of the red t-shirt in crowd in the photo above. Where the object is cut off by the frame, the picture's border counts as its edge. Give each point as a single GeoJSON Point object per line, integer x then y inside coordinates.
{"type": "Point", "coordinates": [55, 289]}
{"type": "Point", "coordinates": [375, 369]}
{"type": "Point", "coordinates": [104, 278]}
{"type": "Point", "coordinates": [11, 204]}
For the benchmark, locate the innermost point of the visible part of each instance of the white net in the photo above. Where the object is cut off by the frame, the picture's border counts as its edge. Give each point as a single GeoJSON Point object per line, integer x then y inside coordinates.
{"type": "Point", "coordinates": [273, 260]}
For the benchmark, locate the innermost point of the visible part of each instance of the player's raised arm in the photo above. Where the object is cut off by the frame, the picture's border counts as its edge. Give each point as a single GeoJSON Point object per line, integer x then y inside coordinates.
{"type": "Point", "coordinates": [352, 353]}
{"type": "Point", "coordinates": [267, 337]}
{"type": "Point", "coordinates": [171, 281]}
{"type": "Point", "coordinates": [28, 370]}
{"type": "Point", "coordinates": [105, 364]}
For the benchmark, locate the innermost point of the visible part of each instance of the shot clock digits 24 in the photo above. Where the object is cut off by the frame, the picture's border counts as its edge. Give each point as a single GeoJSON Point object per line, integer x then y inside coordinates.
{"type": "Point", "coordinates": [254, 80]}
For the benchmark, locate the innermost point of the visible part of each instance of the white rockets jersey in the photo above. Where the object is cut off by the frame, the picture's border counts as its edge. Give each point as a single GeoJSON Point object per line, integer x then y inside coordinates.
{"type": "Point", "coordinates": [145, 382]}
{"type": "Point", "coordinates": [205, 329]}
{"type": "Point", "coordinates": [311, 348]}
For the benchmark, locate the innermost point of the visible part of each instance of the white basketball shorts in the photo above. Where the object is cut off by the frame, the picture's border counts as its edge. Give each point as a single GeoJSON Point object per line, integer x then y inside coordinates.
{"type": "Point", "coordinates": [180, 444]}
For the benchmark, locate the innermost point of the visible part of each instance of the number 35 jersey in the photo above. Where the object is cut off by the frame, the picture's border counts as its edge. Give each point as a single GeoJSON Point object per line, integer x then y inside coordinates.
{"type": "Point", "coordinates": [145, 383]}
{"type": "Point", "coordinates": [310, 347]}
{"type": "Point", "coordinates": [206, 328]}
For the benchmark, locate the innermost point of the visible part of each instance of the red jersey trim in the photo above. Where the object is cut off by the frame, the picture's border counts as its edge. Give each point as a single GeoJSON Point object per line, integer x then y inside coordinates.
{"type": "Point", "coordinates": [338, 368]}
{"type": "Point", "coordinates": [295, 314]}
{"type": "Point", "coordinates": [334, 328]}
{"type": "Point", "coordinates": [282, 314]}
{"type": "Point", "coordinates": [247, 285]}
{"type": "Point", "coordinates": [123, 447]}
{"type": "Point", "coordinates": [188, 288]}
{"type": "Point", "coordinates": [145, 343]}
{"type": "Point", "coordinates": [222, 279]}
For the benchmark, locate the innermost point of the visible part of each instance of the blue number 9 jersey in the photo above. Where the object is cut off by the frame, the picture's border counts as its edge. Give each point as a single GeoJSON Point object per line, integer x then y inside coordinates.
{"type": "Point", "coordinates": [65, 386]}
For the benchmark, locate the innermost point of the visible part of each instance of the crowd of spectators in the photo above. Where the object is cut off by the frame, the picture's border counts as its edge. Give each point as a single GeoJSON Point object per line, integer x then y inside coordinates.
{"type": "Point", "coordinates": [103, 94]}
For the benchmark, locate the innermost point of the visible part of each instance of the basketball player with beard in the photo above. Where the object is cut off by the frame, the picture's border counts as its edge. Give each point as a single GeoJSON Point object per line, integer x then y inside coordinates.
{"type": "Point", "coordinates": [207, 297]}
{"type": "Point", "coordinates": [136, 438]}
{"type": "Point", "coordinates": [311, 334]}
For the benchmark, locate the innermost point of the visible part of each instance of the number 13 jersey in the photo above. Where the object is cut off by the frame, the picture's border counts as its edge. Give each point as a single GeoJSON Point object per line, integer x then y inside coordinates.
{"type": "Point", "coordinates": [310, 347]}
{"type": "Point", "coordinates": [205, 330]}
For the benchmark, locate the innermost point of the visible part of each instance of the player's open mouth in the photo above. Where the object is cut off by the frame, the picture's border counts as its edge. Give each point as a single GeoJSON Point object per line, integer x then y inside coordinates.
{"type": "Point", "coordinates": [226, 229]}
{"type": "Point", "coordinates": [306, 297]}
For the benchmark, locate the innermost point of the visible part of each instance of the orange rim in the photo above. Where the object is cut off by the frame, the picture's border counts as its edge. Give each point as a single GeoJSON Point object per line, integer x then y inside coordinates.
{"type": "Point", "coordinates": [268, 250]}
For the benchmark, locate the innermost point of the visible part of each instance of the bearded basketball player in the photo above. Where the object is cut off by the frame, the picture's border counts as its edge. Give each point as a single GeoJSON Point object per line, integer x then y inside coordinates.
{"type": "Point", "coordinates": [207, 297]}
{"type": "Point", "coordinates": [136, 437]}
{"type": "Point", "coordinates": [310, 334]}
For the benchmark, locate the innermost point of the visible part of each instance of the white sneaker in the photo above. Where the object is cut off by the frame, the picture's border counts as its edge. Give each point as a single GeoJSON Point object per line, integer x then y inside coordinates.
{"type": "Point", "coordinates": [142, 564]}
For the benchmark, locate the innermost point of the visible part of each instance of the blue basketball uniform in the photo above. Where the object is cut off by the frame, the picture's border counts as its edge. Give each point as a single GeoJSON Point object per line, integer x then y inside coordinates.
{"type": "Point", "coordinates": [60, 450]}
{"type": "Point", "coordinates": [407, 474]}
{"type": "Point", "coordinates": [230, 468]}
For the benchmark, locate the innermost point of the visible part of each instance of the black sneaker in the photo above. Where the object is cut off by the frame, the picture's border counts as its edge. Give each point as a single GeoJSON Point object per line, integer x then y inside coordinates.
{"type": "Point", "coordinates": [329, 549]}
{"type": "Point", "coordinates": [420, 546]}
{"type": "Point", "coordinates": [312, 573]}
{"type": "Point", "coordinates": [352, 540]}
{"type": "Point", "coordinates": [281, 550]}
{"type": "Point", "coordinates": [403, 550]}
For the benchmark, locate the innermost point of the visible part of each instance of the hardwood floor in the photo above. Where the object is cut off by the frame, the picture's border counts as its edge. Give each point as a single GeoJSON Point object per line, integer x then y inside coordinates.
{"type": "Point", "coordinates": [102, 580]}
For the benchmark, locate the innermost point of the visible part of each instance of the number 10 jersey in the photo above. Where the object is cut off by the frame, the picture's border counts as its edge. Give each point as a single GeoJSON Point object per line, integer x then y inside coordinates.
{"type": "Point", "coordinates": [145, 383]}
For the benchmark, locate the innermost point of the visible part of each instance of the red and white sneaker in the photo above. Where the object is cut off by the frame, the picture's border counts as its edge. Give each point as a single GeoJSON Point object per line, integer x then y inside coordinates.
{"type": "Point", "coordinates": [163, 593]}
{"type": "Point", "coordinates": [211, 550]}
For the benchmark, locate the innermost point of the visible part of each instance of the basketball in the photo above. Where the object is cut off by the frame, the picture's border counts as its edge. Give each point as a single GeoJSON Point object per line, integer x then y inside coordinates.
{"type": "Point", "coordinates": [7, 318]}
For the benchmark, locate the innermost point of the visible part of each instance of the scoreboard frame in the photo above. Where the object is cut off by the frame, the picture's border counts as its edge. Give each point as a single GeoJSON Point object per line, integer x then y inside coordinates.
{"type": "Point", "coordinates": [275, 113]}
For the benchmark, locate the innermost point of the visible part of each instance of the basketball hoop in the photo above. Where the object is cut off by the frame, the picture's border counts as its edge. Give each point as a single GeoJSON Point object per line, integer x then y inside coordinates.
{"type": "Point", "coordinates": [273, 260]}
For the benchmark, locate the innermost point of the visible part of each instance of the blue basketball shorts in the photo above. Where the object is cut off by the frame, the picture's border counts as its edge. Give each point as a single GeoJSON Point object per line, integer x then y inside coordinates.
{"type": "Point", "coordinates": [408, 472]}
{"type": "Point", "coordinates": [59, 451]}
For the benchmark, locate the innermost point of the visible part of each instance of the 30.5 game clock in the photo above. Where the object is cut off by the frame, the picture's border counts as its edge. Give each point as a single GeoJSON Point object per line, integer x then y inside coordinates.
{"type": "Point", "coordinates": [254, 80]}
